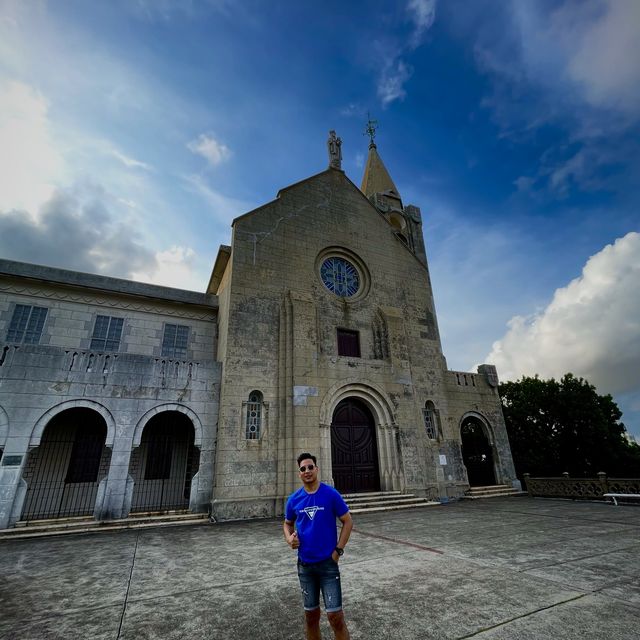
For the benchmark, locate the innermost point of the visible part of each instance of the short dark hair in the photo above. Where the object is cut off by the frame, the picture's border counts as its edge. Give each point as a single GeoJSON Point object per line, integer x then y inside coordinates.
{"type": "Point", "coordinates": [306, 456]}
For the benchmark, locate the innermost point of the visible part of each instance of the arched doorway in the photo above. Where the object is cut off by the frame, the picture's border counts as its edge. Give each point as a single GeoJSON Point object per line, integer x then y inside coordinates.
{"type": "Point", "coordinates": [354, 451]}
{"type": "Point", "coordinates": [164, 464]}
{"type": "Point", "coordinates": [64, 471]}
{"type": "Point", "coordinates": [477, 453]}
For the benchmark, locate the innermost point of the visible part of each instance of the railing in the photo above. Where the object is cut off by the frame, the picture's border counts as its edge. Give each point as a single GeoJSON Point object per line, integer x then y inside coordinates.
{"type": "Point", "coordinates": [580, 488]}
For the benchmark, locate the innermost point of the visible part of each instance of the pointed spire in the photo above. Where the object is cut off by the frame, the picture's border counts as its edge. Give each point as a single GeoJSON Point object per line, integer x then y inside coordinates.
{"type": "Point", "coordinates": [376, 178]}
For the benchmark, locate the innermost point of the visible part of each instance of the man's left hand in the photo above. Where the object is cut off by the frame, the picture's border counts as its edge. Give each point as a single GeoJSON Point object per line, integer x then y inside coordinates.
{"type": "Point", "coordinates": [335, 557]}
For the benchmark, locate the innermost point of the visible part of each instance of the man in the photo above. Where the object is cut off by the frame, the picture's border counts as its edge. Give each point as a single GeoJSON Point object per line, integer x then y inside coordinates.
{"type": "Point", "coordinates": [310, 527]}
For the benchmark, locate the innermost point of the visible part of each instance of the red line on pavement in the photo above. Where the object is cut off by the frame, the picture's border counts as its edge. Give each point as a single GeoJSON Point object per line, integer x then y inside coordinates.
{"type": "Point", "coordinates": [408, 544]}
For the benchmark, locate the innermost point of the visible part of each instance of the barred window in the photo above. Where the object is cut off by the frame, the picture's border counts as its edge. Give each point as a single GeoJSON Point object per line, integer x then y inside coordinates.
{"type": "Point", "coordinates": [175, 340]}
{"type": "Point", "coordinates": [26, 324]}
{"type": "Point", "coordinates": [106, 333]}
{"type": "Point", "coordinates": [254, 416]}
{"type": "Point", "coordinates": [430, 426]}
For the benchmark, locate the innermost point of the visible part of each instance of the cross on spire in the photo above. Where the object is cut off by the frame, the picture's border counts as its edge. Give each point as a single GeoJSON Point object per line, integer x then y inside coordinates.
{"type": "Point", "coordinates": [370, 130]}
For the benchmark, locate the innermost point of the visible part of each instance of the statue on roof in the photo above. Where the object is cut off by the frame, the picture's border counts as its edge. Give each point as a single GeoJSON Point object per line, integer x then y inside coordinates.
{"type": "Point", "coordinates": [334, 145]}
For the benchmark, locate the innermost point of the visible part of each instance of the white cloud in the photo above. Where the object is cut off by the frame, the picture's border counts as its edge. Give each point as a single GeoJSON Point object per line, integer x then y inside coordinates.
{"type": "Point", "coordinates": [30, 164]}
{"type": "Point", "coordinates": [591, 327]}
{"type": "Point", "coordinates": [392, 80]}
{"type": "Point", "coordinates": [423, 14]}
{"type": "Point", "coordinates": [224, 209]}
{"type": "Point", "coordinates": [209, 148]}
{"type": "Point", "coordinates": [604, 58]}
{"type": "Point", "coordinates": [175, 267]}
{"type": "Point", "coordinates": [129, 162]}
{"type": "Point", "coordinates": [395, 71]}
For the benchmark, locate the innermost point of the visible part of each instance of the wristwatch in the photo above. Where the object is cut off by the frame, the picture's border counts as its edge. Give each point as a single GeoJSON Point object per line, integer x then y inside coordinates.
{"type": "Point", "coordinates": [339, 551]}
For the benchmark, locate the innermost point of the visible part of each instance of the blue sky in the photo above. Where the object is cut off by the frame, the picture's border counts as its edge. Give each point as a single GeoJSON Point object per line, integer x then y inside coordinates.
{"type": "Point", "coordinates": [132, 133]}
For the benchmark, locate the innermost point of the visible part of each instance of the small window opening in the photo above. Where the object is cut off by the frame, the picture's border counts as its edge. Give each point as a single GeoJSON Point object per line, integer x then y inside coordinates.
{"type": "Point", "coordinates": [254, 416]}
{"type": "Point", "coordinates": [348, 343]}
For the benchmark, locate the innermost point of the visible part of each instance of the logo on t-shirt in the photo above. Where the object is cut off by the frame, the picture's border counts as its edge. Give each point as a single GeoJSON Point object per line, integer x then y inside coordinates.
{"type": "Point", "coordinates": [311, 511]}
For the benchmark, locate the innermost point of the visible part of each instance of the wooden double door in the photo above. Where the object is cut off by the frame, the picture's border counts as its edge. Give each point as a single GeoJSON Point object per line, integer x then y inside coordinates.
{"type": "Point", "coordinates": [354, 451]}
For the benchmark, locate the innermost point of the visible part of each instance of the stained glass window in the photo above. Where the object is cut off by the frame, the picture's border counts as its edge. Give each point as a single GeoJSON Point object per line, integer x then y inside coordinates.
{"type": "Point", "coordinates": [340, 277]}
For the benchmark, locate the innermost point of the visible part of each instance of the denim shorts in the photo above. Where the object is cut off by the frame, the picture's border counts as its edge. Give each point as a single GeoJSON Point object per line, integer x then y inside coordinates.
{"type": "Point", "coordinates": [320, 576]}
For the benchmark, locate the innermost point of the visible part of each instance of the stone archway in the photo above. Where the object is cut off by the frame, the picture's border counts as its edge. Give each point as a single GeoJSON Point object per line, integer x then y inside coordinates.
{"type": "Point", "coordinates": [478, 451]}
{"type": "Point", "coordinates": [64, 470]}
{"type": "Point", "coordinates": [163, 465]}
{"type": "Point", "coordinates": [379, 406]}
{"type": "Point", "coordinates": [354, 448]}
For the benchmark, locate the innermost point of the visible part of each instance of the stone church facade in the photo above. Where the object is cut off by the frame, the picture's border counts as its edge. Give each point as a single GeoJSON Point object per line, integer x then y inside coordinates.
{"type": "Point", "coordinates": [317, 332]}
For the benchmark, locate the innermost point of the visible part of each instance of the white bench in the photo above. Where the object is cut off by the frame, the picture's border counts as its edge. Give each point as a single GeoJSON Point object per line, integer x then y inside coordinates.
{"type": "Point", "coordinates": [613, 496]}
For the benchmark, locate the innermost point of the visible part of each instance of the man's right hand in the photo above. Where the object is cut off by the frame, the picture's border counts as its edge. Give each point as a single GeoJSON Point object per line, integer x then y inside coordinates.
{"type": "Point", "coordinates": [293, 540]}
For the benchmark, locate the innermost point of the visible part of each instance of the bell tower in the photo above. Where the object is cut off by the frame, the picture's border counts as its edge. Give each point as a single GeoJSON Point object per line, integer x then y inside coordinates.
{"type": "Point", "coordinates": [382, 192]}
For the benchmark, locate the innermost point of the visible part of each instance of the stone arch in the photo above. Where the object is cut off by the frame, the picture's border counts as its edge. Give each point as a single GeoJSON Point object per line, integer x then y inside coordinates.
{"type": "Point", "coordinates": [170, 406]}
{"type": "Point", "coordinates": [4, 427]}
{"type": "Point", "coordinates": [374, 397]}
{"type": "Point", "coordinates": [43, 421]}
{"type": "Point", "coordinates": [487, 430]}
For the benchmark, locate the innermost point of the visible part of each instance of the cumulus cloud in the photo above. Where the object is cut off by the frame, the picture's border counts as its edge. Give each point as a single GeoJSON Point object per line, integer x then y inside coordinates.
{"type": "Point", "coordinates": [175, 267]}
{"type": "Point", "coordinates": [209, 148]}
{"type": "Point", "coordinates": [30, 164]}
{"type": "Point", "coordinates": [75, 230]}
{"type": "Point", "coordinates": [591, 327]}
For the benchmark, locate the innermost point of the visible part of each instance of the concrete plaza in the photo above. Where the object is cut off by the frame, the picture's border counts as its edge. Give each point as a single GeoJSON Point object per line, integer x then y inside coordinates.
{"type": "Point", "coordinates": [506, 568]}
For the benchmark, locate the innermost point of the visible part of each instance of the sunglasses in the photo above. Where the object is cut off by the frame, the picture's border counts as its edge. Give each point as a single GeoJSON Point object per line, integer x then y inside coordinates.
{"type": "Point", "coordinates": [309, 467]}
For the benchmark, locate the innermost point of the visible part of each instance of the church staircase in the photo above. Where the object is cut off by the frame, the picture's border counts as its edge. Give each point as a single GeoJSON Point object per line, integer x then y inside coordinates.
{"type": "Point", "coordinates": [384, 501]}
{"type": "Point", "coordinates": [492, 491]}
{"type": "Point", "coordinates": [86, 524]}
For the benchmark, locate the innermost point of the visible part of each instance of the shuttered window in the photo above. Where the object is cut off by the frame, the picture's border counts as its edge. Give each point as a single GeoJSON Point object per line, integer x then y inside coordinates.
{"type": "Point", "coordinates": [348, 343]}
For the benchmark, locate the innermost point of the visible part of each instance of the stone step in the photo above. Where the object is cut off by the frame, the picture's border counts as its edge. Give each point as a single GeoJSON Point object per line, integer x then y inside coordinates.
{"type": "Point", "coordinates": [368, 498]}
{"type": "Point", "coordinates": [502, 493]}
{"type": "Point", "coordinates": [395, 507]}
{"type": "Point", "coordinates": [39, 528]}
{"type": "Point", "coordinates": [381, 503]}
{"type": "Point", "coordinates": [490, 487]}
{"type": "Point", "coordinates": [371, 494]}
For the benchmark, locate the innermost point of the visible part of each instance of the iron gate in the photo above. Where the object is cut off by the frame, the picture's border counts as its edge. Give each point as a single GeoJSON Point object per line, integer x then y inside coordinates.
{"type": "Point", "coordinates": [164, 464]}
{"type": "Point", "coordinates": [64, 471]}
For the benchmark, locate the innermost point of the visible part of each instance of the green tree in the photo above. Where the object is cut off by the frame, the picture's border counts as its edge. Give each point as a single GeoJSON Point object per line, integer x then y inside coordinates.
{"type": "Point", "coordinates": [556, 426]}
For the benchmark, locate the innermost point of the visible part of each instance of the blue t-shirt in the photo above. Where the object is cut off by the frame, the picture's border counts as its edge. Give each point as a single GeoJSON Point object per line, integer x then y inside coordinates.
{"type": "Point", "coordinates": [315, 516]}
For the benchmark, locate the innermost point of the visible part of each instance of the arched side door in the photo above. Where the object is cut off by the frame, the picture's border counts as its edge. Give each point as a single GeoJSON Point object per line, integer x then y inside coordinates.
{"type": "Point", "coordinates": [477, 453]}
{"type": "Point", "coordinates": [354, 451]}
{"type": "Point", "coordinates": [64, 471]}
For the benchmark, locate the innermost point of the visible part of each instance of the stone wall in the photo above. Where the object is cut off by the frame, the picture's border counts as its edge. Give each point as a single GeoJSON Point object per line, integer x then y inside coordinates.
{"type": "Point", "coordinates": [126, 388]}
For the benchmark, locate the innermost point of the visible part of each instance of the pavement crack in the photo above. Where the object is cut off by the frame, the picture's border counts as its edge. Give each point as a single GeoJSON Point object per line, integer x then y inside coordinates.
{"type": "Point", "coordinates": [524, 615]}
{"type": "Point", "coordinates": [126, 595]}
